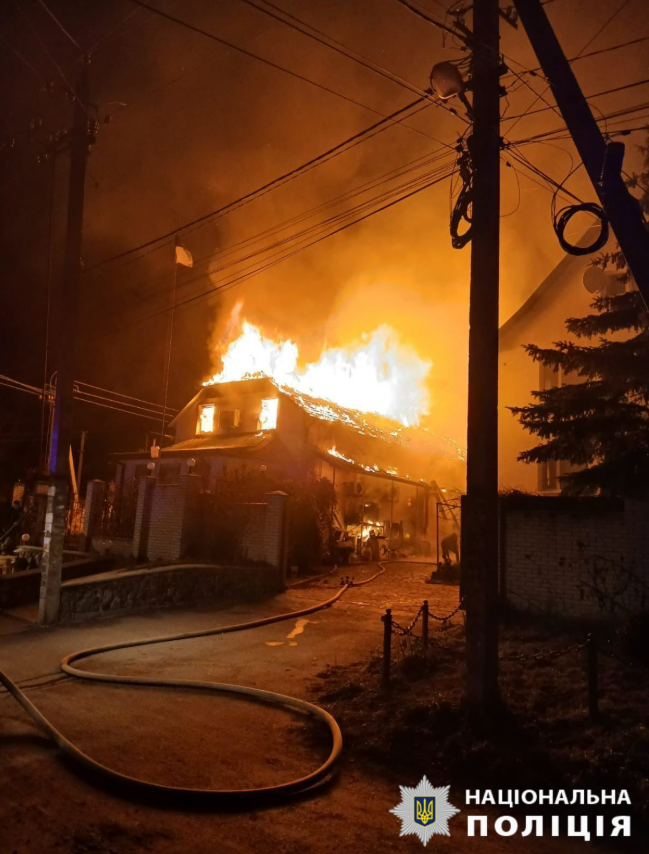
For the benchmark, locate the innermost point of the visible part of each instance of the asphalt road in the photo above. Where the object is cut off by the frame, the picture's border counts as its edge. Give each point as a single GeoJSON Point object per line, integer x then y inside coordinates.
{"type": "Point", "coordinates": [194, 739]}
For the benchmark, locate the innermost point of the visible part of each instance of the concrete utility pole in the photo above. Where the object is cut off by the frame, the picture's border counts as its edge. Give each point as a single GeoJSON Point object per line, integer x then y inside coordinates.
{"type": "Point", "coordinates": [480, 504]}
{"type": "Point", "coordinates": [602, 162]}
{"type": "Point", "coordinates": [64, 306]}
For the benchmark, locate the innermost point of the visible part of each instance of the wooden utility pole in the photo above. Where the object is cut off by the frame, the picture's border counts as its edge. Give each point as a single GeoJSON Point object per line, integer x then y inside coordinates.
{"type": "Point", "coordinates": [602, 162]}
{"type": "Point", "coordinates": [64, 310]}
{"type": "Point", "coordinates": [480, 504]}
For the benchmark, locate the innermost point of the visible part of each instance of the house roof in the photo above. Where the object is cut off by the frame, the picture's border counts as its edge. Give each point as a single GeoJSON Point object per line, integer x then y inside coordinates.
{"type": "Point", "coordinates": [238, 442]}
{"type": "Point", "coordinates": [549, 288]}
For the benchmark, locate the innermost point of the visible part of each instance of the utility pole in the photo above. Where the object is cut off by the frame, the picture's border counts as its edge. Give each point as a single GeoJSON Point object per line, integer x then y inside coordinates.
{"type": "Point", "coordinates": [602, 162]}
{"type": "Point", "coordinates": [65, 307]}
{"type": "Point", "coordinates": [480, 504]}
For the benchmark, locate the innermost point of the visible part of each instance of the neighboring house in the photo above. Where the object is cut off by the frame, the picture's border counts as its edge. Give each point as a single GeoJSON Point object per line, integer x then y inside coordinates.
{"type": "Point", "coordinates": [541, 321]}
{"type": "Point", "coordinates": [385, 475]}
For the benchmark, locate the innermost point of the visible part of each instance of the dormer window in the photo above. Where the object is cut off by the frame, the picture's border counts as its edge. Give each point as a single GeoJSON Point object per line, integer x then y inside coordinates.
{"type": "Point", "coordinates": [268, 414]}
{"type": "Point", "coordinates": [206, 414]}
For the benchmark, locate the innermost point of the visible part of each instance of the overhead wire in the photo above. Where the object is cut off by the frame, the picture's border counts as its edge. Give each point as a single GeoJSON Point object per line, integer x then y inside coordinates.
{"type": "Point", "coordinates": [322, 38]}
{"type": "Point", "coordinates": [59, 24]}
{"type": "Point", "coordinates": [379, 181]}
{"type": "Point", "coordinates": [424, 160]}
{"type": "Point", "coordinates": [268, 186]}
{"type": "Point", "coordinates": [264, 60]}
{"type": "Point", "coordinates": [215, 290]}
{"type": "Point", "coordinates": [587, 97]}
{"type": "Point", "coordinates": [589, 42]}
{"type": "Point", "coordinates": [43, 43]}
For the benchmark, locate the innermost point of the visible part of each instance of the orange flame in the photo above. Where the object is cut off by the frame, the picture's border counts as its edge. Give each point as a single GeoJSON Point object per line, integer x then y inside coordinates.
{"type": "Point", "coordinates": [379, 373]}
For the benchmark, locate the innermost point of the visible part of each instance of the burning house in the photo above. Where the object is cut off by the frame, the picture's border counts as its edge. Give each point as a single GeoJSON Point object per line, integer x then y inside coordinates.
{"type": "Point", "coordinates": [385, 475]}
{"type": "Point", "coordinates": [255, 415]}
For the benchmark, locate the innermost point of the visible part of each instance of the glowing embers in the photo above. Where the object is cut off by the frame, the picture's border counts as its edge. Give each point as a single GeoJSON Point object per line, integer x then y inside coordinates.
{"type": "Point", "coordinates": [268, 414]}
{"type": "Point", "coordinates": [206, 414]}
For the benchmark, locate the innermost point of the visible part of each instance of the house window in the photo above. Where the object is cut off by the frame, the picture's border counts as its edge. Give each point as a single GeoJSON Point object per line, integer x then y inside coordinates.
{"type": "Point", "coordinates": [268, 414]}
{"type": "Point", "coordinates": [206, 414]}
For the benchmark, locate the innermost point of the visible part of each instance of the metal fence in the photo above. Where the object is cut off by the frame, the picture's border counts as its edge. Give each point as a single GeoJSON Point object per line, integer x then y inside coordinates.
{"type": "Point", "coordinates": [118, 510]}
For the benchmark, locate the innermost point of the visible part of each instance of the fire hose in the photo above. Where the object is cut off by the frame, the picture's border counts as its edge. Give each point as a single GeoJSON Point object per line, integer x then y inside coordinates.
{"type": "Point", "coordinates": [216, 797]}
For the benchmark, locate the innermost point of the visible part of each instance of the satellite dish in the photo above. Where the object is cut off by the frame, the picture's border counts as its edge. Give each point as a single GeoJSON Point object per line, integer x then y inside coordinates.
{"type": "Point", "coordinates": [595, 280]}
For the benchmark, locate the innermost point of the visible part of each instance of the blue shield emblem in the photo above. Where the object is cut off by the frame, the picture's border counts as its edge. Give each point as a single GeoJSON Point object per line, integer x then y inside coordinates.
{"type": "Point", "coordinates": [424, 810]}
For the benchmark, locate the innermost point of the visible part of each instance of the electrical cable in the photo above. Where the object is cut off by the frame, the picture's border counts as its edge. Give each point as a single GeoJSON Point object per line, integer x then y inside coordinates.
{"type": "Point", "coordinates": [134, 784]}
{"type": "Point", "coordinates": [69, 86]}
{"type": "Point", "coordinates": [265, 188]}
{"type": "Point", "coordinates": [268, 62]}
{"type": "Point", "coordinates": [323, 39]}
{"type": "Point", "coordinates": [440, 26]}
{"type": "Point", "coordinates": [215, 290]}
{"type": "Point", "coordinates": [417, 163]}
{"type": "Point", "coordinates": [587, 98]}
{"type": "Point", "coordinates": [563, 217]}
{"type": "Point", "coordinates": [590, 41]}
{"type": "Point", "coordinates": [59, 24]}
{"type": "Point", "coordinates": [462, 207]}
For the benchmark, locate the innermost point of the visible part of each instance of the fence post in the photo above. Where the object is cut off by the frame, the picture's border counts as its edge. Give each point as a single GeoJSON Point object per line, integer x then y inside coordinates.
{"type": "Point", "coordinates": [387, 643]}
{"type": "Point", "coordinates": [424, 625]}
{"type": "Point", "coordinates": [593, 688]}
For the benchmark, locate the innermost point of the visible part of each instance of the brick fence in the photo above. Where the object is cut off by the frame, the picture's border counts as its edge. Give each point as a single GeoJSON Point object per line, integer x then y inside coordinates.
{"type": "Point", "coordinates": [166, 525]}
{"type": "Point", "coordinates": [575, 557]}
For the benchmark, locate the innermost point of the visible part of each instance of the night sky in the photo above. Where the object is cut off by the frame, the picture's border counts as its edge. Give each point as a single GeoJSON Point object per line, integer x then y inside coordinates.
{"type": "Point", "coordinates": [195, 125]}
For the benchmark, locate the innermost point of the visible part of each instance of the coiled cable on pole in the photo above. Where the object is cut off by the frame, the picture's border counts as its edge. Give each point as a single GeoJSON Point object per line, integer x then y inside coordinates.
{"type": "Point", "coordinates": [462, 207]}
{"type": "Point", "coordinates": [562, 217]}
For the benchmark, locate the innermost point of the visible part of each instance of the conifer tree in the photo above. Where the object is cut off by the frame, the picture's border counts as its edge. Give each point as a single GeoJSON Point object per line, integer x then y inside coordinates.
{"type": "Point", "coordinates": [598, 418]}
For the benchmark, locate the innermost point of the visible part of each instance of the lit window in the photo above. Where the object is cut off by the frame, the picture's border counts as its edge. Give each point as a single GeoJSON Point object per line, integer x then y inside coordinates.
{"type": "Point", "coordinates": [206, 418]}
{"type": "Point", "coordinates": [268, 414]}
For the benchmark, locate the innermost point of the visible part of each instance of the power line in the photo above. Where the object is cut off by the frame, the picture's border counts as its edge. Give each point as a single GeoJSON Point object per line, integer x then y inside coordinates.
{"type": "Point", "coordinates": [69, 86]}
{"type": "Point", "coordinates": [322, 38]}
{"type": "Point", "coordinates": [420, 14]}
{"type": "Point", "coordinates": [58, 23]}
{"type": "Point", "coordinates": [268, 62]}
{"type": "Point", "coordinates": [591, 53]}
{"type": "Point", "coordinates": [604, 26]}
{"type": "Point", "coordinates": [589, 42]}
{"type": "Point", "coordinates": [269, 186]}
{"type": "Point", "coordinates": [529, 112]}
{"type": "Point", "coordinates": [417, 164]}
{"type": "Point", "coordinates": [244, 277]}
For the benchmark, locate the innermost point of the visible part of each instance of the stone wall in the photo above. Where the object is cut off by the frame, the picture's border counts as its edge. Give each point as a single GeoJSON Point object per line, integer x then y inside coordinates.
{"type": "Point", "coordinates": [144, 589]}
{"type": "Point", "coordinates": [584, 557]}
{"type": "Point", "coordinates": [21, 588]}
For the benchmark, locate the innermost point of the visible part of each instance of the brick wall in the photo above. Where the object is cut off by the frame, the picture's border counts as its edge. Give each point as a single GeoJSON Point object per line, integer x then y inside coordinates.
{"type": "Point", "coordinates": [585, 558]}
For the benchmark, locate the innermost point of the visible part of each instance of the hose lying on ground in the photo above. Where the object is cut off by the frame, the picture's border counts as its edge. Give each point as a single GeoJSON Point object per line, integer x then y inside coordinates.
{"type": "Point", "coordinates": [216, 796]}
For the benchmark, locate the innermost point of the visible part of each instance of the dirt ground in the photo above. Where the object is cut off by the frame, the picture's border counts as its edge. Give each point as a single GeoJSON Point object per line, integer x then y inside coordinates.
{"type": "Point", "coordinates": [194, 739]}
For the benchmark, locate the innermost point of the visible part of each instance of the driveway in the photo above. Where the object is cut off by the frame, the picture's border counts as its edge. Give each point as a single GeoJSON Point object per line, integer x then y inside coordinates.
{"type": "Point", "coordinates": [195, 739]}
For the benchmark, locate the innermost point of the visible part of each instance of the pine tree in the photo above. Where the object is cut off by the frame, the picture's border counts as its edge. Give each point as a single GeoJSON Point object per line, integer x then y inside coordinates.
{"type": "Point", "coordinates": [600, 421]}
